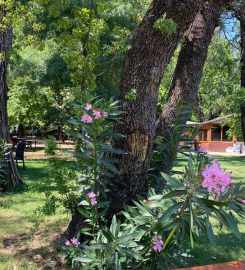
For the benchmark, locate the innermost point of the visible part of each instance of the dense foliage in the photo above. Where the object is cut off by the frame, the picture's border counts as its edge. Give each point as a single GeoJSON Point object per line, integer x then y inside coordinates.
{"type": "Point", "coordinates": [64, 52]}
{"type": "Point", "coordinates": [153, 233]}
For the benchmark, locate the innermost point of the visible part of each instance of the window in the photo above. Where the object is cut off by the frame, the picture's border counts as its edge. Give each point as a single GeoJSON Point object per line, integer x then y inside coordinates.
{"type": "Point", "coordinates": [216, 133]}
{"type": "Point", "coordinates": [204, 135]}
{"type": "Point", "coordinates": [225, 136]}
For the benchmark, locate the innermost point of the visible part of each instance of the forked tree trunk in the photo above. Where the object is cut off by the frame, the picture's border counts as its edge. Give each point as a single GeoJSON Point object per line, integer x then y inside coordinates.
{"type": "Point", "coordinates": [150, 53]}
{"type": "Point", "coordinates": [242, 29]}
{"type": "Point", "coordinates": [187, 76]}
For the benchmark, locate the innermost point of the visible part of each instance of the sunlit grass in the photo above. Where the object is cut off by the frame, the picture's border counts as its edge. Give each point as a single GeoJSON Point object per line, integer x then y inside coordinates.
{"type": "Point", "coordinates": [22, 226]}
{"type": "Point", "coordinates": [25, 233]}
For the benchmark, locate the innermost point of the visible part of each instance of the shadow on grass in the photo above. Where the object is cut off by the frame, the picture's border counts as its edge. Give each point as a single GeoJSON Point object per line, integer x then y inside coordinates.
{"type": "Point", "coordinates": [227, 248]}
{"type": "Point", "coordinates": [36, 172]}
{"type": "Point", "coordinates": [38, 248]}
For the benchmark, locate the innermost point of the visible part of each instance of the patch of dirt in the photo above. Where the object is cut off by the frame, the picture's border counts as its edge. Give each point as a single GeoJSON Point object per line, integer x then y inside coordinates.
{"type": "Point", "coordinates": [40, 155]}
{"type": "Point", "coordinates": [39, 248]}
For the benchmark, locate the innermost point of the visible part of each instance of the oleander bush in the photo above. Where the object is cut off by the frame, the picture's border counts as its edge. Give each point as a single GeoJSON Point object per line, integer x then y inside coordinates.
{"type": "Point", "coordinates": [150, 234]}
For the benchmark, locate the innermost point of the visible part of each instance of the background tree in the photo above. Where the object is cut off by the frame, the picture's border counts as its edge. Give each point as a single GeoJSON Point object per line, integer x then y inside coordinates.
{"type": "Point", "coordinates": [242, 30]}
{"type": "Point", "coordinates": [11, 176]}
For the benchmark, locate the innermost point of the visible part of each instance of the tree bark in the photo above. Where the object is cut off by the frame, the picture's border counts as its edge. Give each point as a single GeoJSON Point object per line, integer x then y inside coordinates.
{"type": "Point", "coordinates": [187, 76]}
{"type": "Point", "coordinates": [150, 53]}
{"type": "Point", "coordinates": [4, 131]}
{"type": "Point", "coordinates": [11, 179]}
{"type": "Point", "coordinates": [144, 66]}
{"type": "Point", "coordinates": [242, 106]}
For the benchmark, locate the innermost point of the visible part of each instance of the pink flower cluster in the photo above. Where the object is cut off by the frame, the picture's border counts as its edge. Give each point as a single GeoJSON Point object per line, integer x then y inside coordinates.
{"type": "Point", "coordinates": [92, 197]}
{"type": "Point", "coordinates": [73, 242]}
{"type": "Point", "coordinates": [96, 114]}
{"type": "Point", "coordinates": [157, 243]}
{"type": "Point", "coordinates": [215, 179]}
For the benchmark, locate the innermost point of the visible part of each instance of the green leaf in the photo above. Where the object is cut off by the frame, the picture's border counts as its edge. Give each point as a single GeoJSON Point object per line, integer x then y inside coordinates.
{"type": "Point", "coordinates": [171, 180]}
{"type": "Point", "coordinates": [113, 227]}
{"type": "Point", "coordinates": [108, 165]}
{"type": "Point", "coordinates": [143, 210]}
{"type": "Point", "coordinates": [232, 224]}
{"type": "Point", "coordinates": [101, 246]}
{"type": "Point", "coordinates": [133, 254]}
{"type": "Point", "coordinates": [84, 212]}
{"type": "Point", "coordinates": [83, 203]}
{"type": "Point", "coordinates": [108, 149]}
{"type": "Point", "coordinates": [117, 262]}
{"type": "Point", "coordinates": [175, 193]}
{"type": "Point", "coordinates": [202, 205]}
{"type": "Point", "coordinates": [83, 259]}
{"type": "Point", "coordinates": [169, 212]}
{"type": "Point", "coordinates": [108, 235]}
{"type": "Point", "coordinates": [155, 198]}
{"type": "Point", "coordinates": [210, 232]}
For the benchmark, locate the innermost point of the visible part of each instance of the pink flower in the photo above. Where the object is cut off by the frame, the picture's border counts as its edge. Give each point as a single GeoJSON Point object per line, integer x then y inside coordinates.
{"type": "Point", "coordinates": [88, 107]}
{"type": "Point", "coordinates": [105, 114]}
{"type": "Point", "coordinates": [86, 118]}
{"type": "Point", "coordinates": [215, 179]}
{"type": "Point", "coordinates": [92, 197]}
{"type": "Point", "coordinates": [157, 243]}
{"type": "Point", "coordinates": [242, 201]}
{"type": "Point", "coordinates": [68, 243]}
{"type": "Point", "coordinates": [96, 114]}
{"type": "Point", "coordinates": [203, 149]}
{"type": "Point", "coordinates": [75, 242]}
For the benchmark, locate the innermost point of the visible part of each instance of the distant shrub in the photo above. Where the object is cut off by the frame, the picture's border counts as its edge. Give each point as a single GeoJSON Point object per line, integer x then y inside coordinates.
{"type": "Point", "coordinates": [50, 146]}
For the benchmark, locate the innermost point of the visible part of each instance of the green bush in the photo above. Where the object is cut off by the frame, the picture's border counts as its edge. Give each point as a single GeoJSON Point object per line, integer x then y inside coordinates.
{"type": "Point", "coordinates": [150, 234]}
{"type": "Point", "coordinates": [50, 146]}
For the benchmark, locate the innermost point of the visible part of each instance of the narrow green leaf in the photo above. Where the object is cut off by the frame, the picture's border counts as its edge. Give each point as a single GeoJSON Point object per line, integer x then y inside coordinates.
{"type": "Point", "coordinates": [170, 211]}
{"type": "Point", "coordinates": [171, 180]}
{"type": "Point", "coordinates": [83, 259]}
{"type": "Point", "coordinates": [101, 246]}
{"type": "Point", "coordinates": [111, 167]}
{"type": "Point", "coordinates": [143, 210]}
{"type": "Point", "coordinates": [133, 254]}
{"type": "Point", "coordinates": [108, 235]}
{"type": "Point", "coordinates": [175, 193]}
{"type": "Point", "coordinates": [113, 228]}
{"type": "Point", "coordinates": [210, 232]}
{"type": "Point", "coordinates": [232, 224]}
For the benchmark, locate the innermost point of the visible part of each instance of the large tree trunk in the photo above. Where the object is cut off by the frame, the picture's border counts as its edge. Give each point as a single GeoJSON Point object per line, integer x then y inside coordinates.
{"type": "Point", "coordinates": [150, 53]}
{"type": "Point", "coordinates": [242, 29]}
{"type": "Point", "coordinates": [187, 76]}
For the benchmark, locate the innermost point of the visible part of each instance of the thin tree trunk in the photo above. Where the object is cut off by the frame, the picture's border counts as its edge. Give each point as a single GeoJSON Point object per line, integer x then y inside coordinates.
{"type": "Point", "coordinates": [242, 29]}
{"type": "Point", "coordinates": [4, 131]}
{"type": "Point", "coordinates": [12, 179]}
{"type": "Point", "coordinates": [145, 64]}
{"type": "Point", "coordinates": [187, 76]}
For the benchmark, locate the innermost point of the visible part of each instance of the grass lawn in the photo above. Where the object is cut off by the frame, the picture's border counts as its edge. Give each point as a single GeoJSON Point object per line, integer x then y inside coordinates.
{"type": "Point", "coordinates": [26, 237]}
